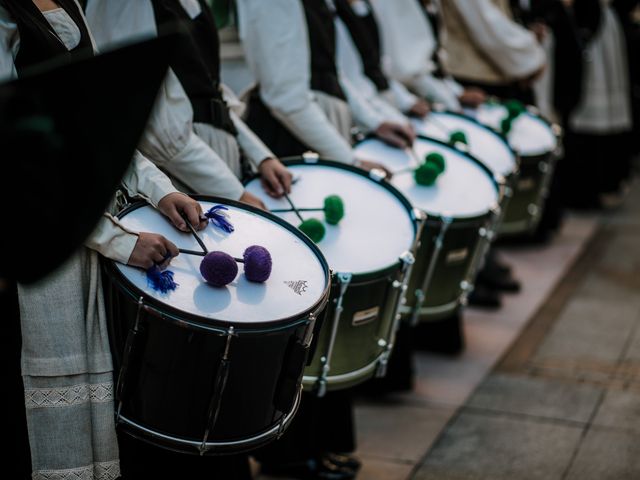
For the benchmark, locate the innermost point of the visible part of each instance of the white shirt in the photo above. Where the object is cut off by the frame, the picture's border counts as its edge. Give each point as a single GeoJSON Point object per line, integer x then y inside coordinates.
{"type": "Point", "coordinates": [169, 140]}
{"type": "Point", "coordinates": [371, 109]}
{"type": "Point", "coordinates": [409, 45]}
{"type": "Point", "coordinates": [276, 45]}
{"type": "Point", "coordinates": [512, 48]}
{"type": "Point", "coordinates": [605, 106]}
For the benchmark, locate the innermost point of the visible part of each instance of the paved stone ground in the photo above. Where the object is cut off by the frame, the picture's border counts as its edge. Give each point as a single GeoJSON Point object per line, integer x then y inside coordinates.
{"type": "Point", "coordinates": [564, 403]}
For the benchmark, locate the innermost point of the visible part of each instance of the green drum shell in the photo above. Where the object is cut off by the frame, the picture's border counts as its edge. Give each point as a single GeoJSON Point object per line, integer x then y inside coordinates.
{"type": "Point", "coordinates": [361, 341]}
{"type": "Point", "coordinates": [529, 190]}
{"type": "Point", "coordinates": [461, 244]}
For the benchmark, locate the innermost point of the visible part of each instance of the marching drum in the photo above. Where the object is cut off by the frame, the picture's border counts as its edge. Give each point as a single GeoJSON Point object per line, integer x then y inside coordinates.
{"type": "Point", "coordinates": [537, 143]}
{"type": "Point", "coordinates": [370, 254]}
{"type": "Point", "coordinates": [209, 370]}
{"type": "Point", "coordinates": [484, 144]}
{"type": "Point", "coordinates": [462, 208]}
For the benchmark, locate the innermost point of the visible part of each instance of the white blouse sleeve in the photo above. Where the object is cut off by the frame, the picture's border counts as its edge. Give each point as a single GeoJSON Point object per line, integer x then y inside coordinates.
{"type": "Point", "coordinates": [276, 44]}
{"type": "Point", "coordinates": [401, 97]}
{"type": "Point", "coordinates": [408, 41]}
{"type": "Point", "coordinates": [362, 110]}
{"type": "Point", "coordinates": [512, 48]}
{"type": "Point", "coordinates": [250, 144]}
{"type": "Point", "coordinates": [9, 44]}
{"type": "Point", "coordinates": [169, 140]}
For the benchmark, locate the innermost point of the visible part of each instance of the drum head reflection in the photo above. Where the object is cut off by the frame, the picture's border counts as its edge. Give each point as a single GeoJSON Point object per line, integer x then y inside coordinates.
{"type": "Point", "coordinates": [377, 227]}
{"type": "Point", "coordinates": [530, 136]}
{"type": "Point", "coordinates": [484, 144]}
{"type": "Point", "coordinates": [297, 281]}
{"type": "Point", "coordinates": [464, 190]}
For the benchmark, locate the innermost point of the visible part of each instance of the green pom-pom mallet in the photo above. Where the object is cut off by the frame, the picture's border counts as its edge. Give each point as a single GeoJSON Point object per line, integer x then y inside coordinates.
{"type": "Point", "coordinates": [314, 229]}
{"type": "Point", "coordinates": [333, 209]}
{"type": "Point", "coordinates": [458, 137]}
{"type": "Point", "coordinates": [426, 174]}
{"type": "Point", "coordinates": [505, 125]}
{"type": "Point", "coordinates": [438, 160]}
{"type": "Point", "coordinates": [515, 108]}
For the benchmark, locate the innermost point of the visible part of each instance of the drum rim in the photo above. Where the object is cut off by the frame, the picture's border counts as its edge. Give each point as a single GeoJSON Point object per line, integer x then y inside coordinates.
{"type": "Point", "coordinates": [496, 133]}
{"type": "Point", "coordinates": [535, 113]}
{"type": "Point", "coordinates": [173, 314]}
{"type": "Point", "coordinates": [497, 179]}
{"type": "Point", "coordinates": [371, 275]}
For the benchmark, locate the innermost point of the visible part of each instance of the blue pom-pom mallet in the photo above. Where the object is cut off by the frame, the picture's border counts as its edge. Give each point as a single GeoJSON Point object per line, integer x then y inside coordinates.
{"type": "Point", "coordinates": [218, 216]}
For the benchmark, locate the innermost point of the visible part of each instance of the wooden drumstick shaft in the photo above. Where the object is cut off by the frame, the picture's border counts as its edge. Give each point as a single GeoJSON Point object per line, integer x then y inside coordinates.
{"type": "Point", "coordinates": [195, 234]}
{"type": "Point", "coordinates": [202, 254]}
{"type": "Point", "coordinates": [293, 207]}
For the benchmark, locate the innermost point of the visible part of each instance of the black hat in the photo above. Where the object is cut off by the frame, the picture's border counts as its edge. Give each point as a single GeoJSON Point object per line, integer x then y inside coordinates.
{"type": "Point", "coordinates": [68, 131]}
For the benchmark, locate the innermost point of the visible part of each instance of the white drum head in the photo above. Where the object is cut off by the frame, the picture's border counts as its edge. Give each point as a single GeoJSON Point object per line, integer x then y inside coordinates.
{"type": "Point", "coordinates": [376, 228]}
{"type": "Point", "coordinates": [530, 135]}
{"type": "Point", "coordinates": [484, 144]}
{"type": "Point", "coordinates": [464, 190]}
{"type": "Point", "coordinates": [297, 281]}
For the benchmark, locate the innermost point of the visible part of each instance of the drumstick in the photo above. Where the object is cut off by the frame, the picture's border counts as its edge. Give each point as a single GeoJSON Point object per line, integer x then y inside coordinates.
{"type": "Point", "coordinates": [414, 156]}
{"type": "Point", "coordinates": [195, 234]}
{"type": "Point", "coordinates": [293, 207]}
{"type": "Point", "coordinates": [438, 124]}
{"type": "Point", "coordinates": [203, 254]}
{"type": "Point", "coordinates": [286, 210]}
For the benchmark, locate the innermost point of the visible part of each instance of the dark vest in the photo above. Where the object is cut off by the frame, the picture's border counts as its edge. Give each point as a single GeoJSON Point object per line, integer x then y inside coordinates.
{"type": "Point", "coordinates": [322, 42]}
{"type": "Point", "coordinates": [366, 37]}
{"type": "Point", "coordinates": [38, 41]}
{"type": "Point", "coordinates": [196, 61]}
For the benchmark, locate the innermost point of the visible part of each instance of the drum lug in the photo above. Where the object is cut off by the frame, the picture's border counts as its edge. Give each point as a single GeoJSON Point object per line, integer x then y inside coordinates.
{"type": "Point", "coordinates": [219, 386]}
{"type": "Point", "coordinates": [310, 157]}
{"type": "Point", "coordinates": [344, 278]}
{"type": "Point", "coordinates": [439, 243]}
{"type": "Point", "coordinates": [126, 355]}
{"type": "Point", "coordinates": [377, 175]}
{"type": "Point", "coordinates": [543, 167]}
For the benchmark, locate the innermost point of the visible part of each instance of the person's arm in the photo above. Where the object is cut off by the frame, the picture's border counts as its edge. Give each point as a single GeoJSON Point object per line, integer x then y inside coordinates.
{"type": "Point", "coordinates": [276, 44]}
{"type": "Point", "coordinates": [512, 48]}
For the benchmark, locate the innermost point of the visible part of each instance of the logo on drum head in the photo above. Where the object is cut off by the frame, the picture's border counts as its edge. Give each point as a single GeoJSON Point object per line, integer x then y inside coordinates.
{"type": "Point", "coordinates": [298, 286]}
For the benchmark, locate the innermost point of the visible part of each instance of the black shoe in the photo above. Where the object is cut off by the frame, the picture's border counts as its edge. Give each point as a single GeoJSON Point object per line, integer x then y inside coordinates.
{"type": "Point", "coordinates": [444, 336]}
{"type": "Point", "coordinates": [484, 297]}
{"type": "Point", "coordinates": [312, 469]}
{"type": "Point", "coordinates": [344, 461]}
{"type": "Point", "coordinates": [496, 281]}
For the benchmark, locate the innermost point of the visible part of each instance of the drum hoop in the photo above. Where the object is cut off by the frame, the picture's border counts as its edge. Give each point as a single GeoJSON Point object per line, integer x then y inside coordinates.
{"type": "Point", "coordinates": [146, 434]}
{"type": "Point", "coordinates": [482, 126]}
{"type": "Point", "coordinates": [499, 182]}
{"type": "Point", "coordinates": [373, 275]}
{"type": "Point", "coordinates": [173, 314]}
{"type": "Point", "coordinates": [553, 127]}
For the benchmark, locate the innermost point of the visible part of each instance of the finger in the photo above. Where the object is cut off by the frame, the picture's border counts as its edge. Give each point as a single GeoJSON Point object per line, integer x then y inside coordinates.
{"type": "Point", "coordinates": [266, 186]}
{"type": "Point", "coordinates": [157, 257]}
{"type": "Point", "coordinates": [394, 139]}
{"type": "Point", "coordinates": [176, 218]}
{"type": "Point", "coordinates": [193, 213]}
{"type": "Point", "coordinates": [274, 182]}
{"type": "Point", "coordinates": [286, 179]}
{"type": "Point", "coordinates": [171, 250]}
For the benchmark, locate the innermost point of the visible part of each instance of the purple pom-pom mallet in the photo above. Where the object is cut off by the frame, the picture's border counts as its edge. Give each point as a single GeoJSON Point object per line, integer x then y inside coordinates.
{"type": "Point", "coordinates": [257, 264]}
{"type": "Point", "coordinates": [219, 218]}
{"type": "Point", "coordinates": [218, 268]}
